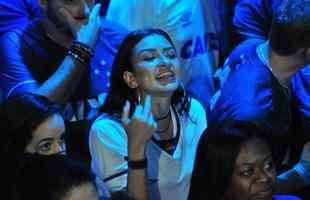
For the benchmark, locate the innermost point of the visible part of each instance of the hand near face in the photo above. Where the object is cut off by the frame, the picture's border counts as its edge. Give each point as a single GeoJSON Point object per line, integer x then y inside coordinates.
{"type": "Point", "coordinates": [88, 34]}
{"type": "Point", "coordinates": [140, 127]}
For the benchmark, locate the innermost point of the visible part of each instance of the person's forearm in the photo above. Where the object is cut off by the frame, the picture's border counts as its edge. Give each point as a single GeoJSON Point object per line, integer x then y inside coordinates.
{"type": "Point", "coordinates": [60, 86]}
{"type": "Point", "coordinates": [289, 182]}
{"type": "Point", "coordinates": [137, 184]}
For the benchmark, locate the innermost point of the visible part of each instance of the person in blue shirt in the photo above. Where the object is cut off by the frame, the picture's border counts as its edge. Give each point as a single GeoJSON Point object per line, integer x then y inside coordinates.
{"type": "Point", "coordinates": [18, 13]}
{"type": "Point", "coordinates": [257, 88]}
{"type": "Point", "coordinates": [65, 55]}
{"type": "Point", "coordinates": [252, 20]}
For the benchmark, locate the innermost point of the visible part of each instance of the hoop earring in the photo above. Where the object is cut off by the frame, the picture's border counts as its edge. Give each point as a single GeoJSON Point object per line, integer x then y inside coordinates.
{"type": "Point", "coordinates": [183, 90]}
{"type": "Point", "coordinates": [138, 97]}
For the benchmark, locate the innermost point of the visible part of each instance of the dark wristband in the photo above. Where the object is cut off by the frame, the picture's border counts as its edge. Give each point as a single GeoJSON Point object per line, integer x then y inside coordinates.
{"type": "Point", "coordinates": [83, 47]}
{"type": "Point", "coordinates": [78, 58]}
{"type": "Point", "coordinates": [136, 164]}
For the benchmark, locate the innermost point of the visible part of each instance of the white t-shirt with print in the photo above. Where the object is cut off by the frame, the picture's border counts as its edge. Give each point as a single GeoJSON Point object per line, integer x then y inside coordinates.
{"type": "Point", "coordinates": [168, 175]}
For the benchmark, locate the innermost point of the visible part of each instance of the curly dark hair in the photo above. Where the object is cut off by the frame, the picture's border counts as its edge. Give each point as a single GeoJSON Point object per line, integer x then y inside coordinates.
{"type": "Point", "coordinates": [20, 115]}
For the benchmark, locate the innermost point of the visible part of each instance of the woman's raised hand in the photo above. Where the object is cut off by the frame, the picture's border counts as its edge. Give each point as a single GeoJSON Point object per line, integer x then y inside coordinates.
{"type": "Point", "coordinates": [140, 127]}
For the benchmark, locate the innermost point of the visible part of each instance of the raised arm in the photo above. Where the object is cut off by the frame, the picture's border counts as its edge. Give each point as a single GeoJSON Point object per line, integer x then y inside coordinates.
{"type": "Point", "coordinates": [140, 129]}
{"type": "Point", "coordinates": [16, 76]}
{"type": "Point", "coordinates": [60, 86]}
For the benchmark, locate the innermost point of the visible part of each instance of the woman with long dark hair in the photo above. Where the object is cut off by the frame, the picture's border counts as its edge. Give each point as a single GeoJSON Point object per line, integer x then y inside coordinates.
{"type": "Point", "coordinates": [149, 128]}
{"type": "Point", "coordinates": [29, 123]}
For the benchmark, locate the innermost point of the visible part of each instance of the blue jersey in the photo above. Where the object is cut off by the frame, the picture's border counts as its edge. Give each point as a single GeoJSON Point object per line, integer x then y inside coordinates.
{"type": "Point", "coordinates": [29, 58]}
{"type": "Point", "coordinates": [250, 91]}
{"type": "Point", "coordinates": [17, 13]}
{"type": "Point", "coordinates": [252, 18]}
{"type": "Point", "coordinates": [253, 93]}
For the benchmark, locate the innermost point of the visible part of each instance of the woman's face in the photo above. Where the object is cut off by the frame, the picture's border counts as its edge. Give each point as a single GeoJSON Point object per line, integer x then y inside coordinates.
{"type": "Point", "coordinates": [156, 66]}
{"type": "Point", "coordinates": [48, 137]}
{"type": "Point", "coordinates": [254, 173]}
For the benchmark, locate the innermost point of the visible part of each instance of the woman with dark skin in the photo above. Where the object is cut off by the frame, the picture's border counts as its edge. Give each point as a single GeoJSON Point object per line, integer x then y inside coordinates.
{"type": "Point", "coordinates": [234, 162]}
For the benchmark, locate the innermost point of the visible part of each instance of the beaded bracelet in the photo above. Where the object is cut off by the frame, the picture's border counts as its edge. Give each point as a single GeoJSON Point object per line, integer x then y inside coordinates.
{"type": "Point", "coordinates": [81, 52]}
{"type": "Point", "coordinates": [78, 58]}
{"type": "Point", "coordinates": [83, 47]}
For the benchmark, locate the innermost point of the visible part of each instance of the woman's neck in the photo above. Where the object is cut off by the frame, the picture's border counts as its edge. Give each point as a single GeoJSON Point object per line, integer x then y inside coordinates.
{"type": "Point", "coordinates": [160, 106]}
{"type": "Point", "coordinates": [162, 116]}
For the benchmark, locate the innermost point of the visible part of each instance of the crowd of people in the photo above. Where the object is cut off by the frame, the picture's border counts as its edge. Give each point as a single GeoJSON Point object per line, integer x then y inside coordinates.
{"type": "Point", "coordinates": [155, 100]}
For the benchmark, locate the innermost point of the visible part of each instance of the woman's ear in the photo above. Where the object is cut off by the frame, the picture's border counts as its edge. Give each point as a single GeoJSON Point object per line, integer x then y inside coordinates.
{"type": "Point", "coordinates": [130, 79]}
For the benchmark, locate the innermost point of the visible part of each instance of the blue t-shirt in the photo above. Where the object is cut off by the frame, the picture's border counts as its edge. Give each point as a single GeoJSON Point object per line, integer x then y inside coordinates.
{"type": "Point", "coordinates": [249, 91]}
{"type": "Point", "coordinates": [252, 18]}
{"type": "Point", "coordinates": [252, 93]}
{"type": "Point", "coordinates": [17, 13]}
{"type": "Point", "coordinates": [29, 57]}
